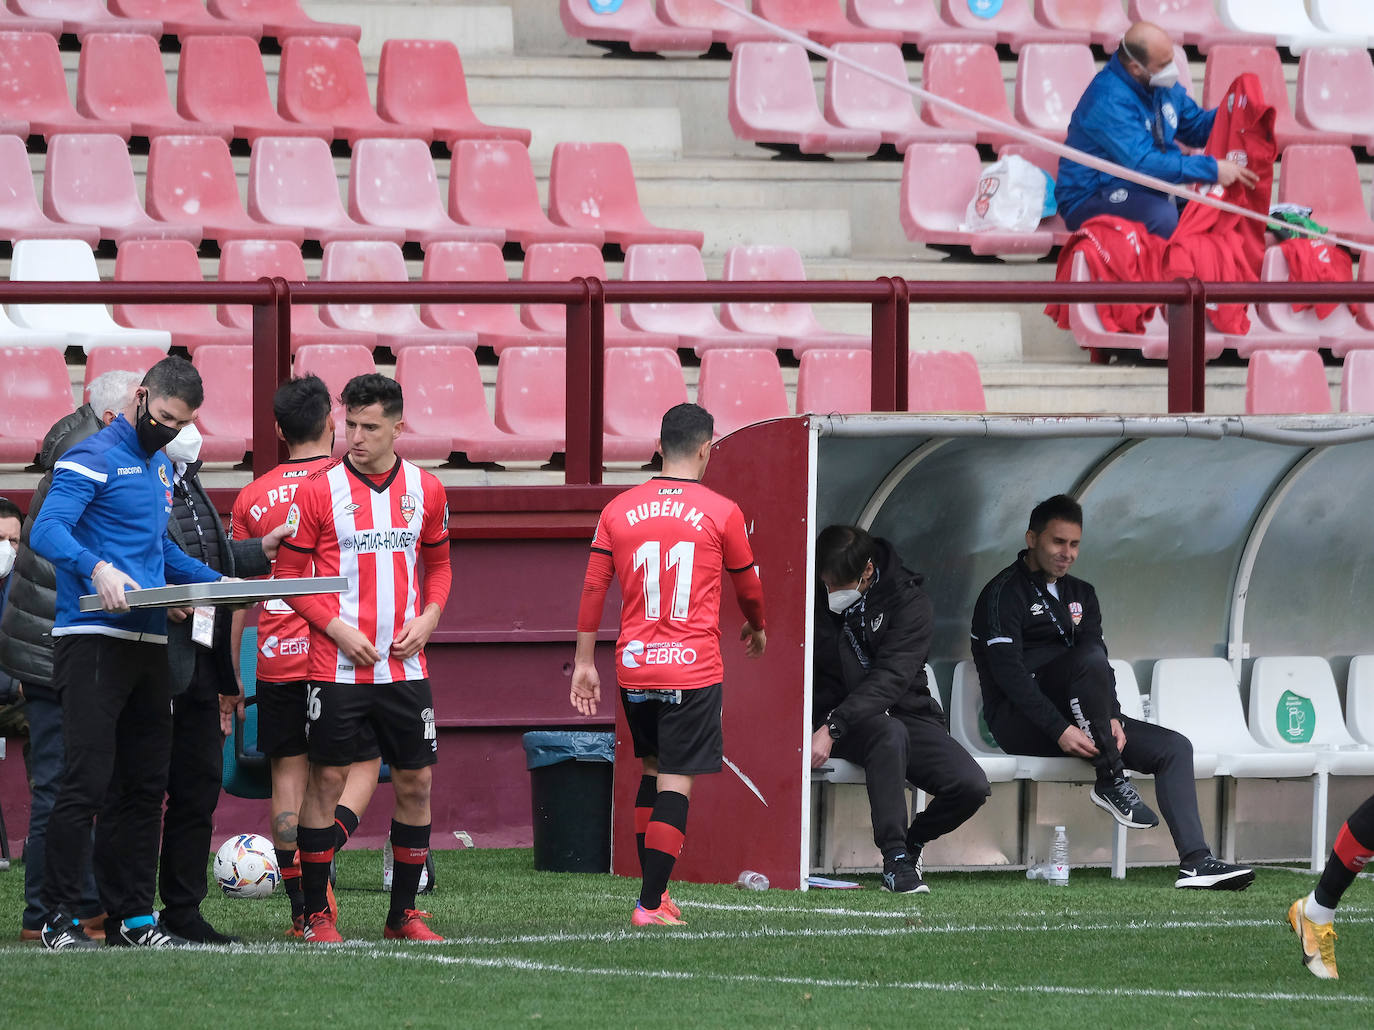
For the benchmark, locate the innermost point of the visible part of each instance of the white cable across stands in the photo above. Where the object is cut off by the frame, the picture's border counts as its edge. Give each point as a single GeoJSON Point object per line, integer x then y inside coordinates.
{"type": "Point", "coordinates": [1026, 136]}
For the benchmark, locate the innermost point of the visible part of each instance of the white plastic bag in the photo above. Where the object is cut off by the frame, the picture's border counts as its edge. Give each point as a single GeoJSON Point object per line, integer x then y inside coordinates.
{"type": "Point", "coordinates": [1010, 198]}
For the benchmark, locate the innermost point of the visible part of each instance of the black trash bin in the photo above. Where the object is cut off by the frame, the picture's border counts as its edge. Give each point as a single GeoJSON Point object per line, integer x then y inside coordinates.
{"type": "Point", "coordinates": [570, 799]}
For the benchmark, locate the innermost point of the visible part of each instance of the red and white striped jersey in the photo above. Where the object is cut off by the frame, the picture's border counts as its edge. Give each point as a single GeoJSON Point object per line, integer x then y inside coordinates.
{"type": "Point", "coordinates": [261, 506]}
{"type": "Point", "coordinates": [369, 529]}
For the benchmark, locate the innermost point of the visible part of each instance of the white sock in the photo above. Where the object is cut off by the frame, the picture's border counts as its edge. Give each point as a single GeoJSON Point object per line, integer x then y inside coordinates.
{"type": "Point", "coordinates": [1317, 913]}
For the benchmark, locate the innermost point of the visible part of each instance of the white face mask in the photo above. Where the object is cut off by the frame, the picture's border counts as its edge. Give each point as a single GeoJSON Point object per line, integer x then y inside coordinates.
{"type": "Point", "coordinates": [1166, 77]}
{"type": "Point", "coordinates": [7, 556]}
{"type": "Point", "coordinates": [841, 601]}
{"type": "Point", "coordinates": [185, 447]}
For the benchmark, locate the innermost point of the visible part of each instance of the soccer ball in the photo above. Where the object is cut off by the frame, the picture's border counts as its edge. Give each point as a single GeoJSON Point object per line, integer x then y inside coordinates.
{"type": "Point", "coordinates": [246, 866]}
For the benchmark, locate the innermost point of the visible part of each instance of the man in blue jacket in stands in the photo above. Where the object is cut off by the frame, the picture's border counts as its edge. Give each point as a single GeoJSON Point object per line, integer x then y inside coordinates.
{"type": "Point", "coordinates": [1134, 113]}
{"type": "Point", "coordinates": [104, 528]}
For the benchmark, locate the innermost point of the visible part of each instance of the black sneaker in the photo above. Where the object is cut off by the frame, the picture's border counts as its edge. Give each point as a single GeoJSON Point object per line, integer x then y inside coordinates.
{"type": "Point", "coordinates": [196, 930]}
{"type": "Point", "coordinates": [61, 932]}
{"type": "Point", "coordinates": [150, 936]}
{"type": "Point", "coordinates": [903, 876]}
{"type": "Point", "coordinates": [1119, 798]}
{"type": "Point", "coordinates": [1212, 874]}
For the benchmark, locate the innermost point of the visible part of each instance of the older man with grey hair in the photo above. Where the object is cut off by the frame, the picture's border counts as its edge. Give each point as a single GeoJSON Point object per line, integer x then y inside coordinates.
{"type": "Point", "coordinates": [26, 646]}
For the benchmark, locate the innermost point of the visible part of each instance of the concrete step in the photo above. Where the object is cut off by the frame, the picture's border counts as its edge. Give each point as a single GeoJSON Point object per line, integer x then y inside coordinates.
{"type": "Point", "coordinates": [477, 28]}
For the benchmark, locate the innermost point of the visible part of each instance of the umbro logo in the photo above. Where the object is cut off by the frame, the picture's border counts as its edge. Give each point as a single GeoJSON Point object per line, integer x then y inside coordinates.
{"type": "Point", "coordinates": [1037, 608]}
{"type": "Point", "coordinates": [350, 507]}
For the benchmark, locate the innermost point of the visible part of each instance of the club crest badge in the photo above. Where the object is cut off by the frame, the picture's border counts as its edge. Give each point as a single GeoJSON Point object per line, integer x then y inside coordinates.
{"type": "Point", "coordinates": [1075, 612]}
{"type": "Point", "coordinates": [162, 475]}
{"type": "Point", "coordinates": [408, 506]}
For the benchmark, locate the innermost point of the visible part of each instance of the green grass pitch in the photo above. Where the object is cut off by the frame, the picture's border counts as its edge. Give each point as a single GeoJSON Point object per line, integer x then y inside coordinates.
{"type": "Point", "coordinates": [528, 948]}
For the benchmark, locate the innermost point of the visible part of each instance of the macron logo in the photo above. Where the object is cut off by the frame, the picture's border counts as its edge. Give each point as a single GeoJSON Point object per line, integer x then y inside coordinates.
{"type": "Point", "coordinates": [130, 470]}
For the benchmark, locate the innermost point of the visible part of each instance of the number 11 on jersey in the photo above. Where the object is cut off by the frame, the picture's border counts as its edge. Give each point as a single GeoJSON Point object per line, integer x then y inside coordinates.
{"type": "Point", "coordinates": [680, 556]}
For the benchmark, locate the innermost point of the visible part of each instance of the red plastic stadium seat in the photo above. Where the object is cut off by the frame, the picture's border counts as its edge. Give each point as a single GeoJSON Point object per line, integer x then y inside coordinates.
{"type": "Point", "coordinates": [1226, 62]}
{"type": "Point", "coordinates": [13, 22]}
{"type": "Point", "coordinates": [773, 103]}
{"type": "Point", "coordinates": [280, 19]}
{"type": "Point", "coordinates": [970, 75]}
{"type": "Point", "coordinates": [1326, 179]}
{"type": "Point", "coordinates": [250, 260]}
{"type": "Point", "coordinates": [1104, 20]}
{"type": "Point", "coordinates": [20, 215]}
{"type": "Point", "coordinates": [226, 417]}
{"type": "Point", "coordinates": [89, 180]}
{"type": "Point", "coordinates": [531, 401]}
{"type": "Point", "coordinates": [562, 262]}
{"type": "Point", "coordinates": [121, 79]}
{"type": "Point", "coordinates": [859, 101]}
{"type": "Point", "coordinates": [794, 324]}
{"type": "Point", "coordinates": [919, 22]}
{"type": "Point", "coordinates": [1357, 382]}
{"type": "Point", "coordinates": [741, 387]}
{"type": "Point", "coordinates": [497, 326]}
{"type": "Point", "coordinates": [421, 82]}
{"type": "Point", "coordinates": [938, 181]}
{"type": "Point", "coordinates": [633, 23]}
{"type": "Point", "coordinates": [292, 182]}
{"type": "Point", "coordinates": [1339, 331]}
{"type": "Point", "coordinates": [38, 391]}
{"type": "Point", "coordinates": [80, 18]}
{"type": "Point", "coordinates": [33, 89]}
{"type": "Point", "coordinates": [1193, 22]}
{"type": "Point", "coordinates": [1286, 383]}
{"type": "Point", "coordinates": [192, 325]}
{"type": "Point", "coordinates": [192, 179]}
{"type": "Point", "coordinates": [1364, 273]}
{"type": "Point", "coordinates": [1287, 19]}
{"type": "Point", "coordinates": [491, 184]}
{"type": "Point", "coordinates": [592, 186]}
{"type": "Point", "coordinates": [221, 79]}
{"type": "Point", "coordinates": [395, 325]}
{"type": "Point", "coordinates": [1050, 80]}
{"type": "Point", "coordinates": [1013, 22]}
{"type": "Point", "coordinates": [641, 384]}
{"type": "Point", "coordinates": [694, 325]}
{"type": "Point", "coordinates": [445, 398]}
{"type": "Point", "coordinates": [822, 21]}
{"type": "Point", "coordinates": [322, 82]}
{"type": "Point", "coordinates": [835, 382]}
{"type": "Point", "coordinates": [183, 18]}
{"type": "Point", "coordinates": [112, 359]}
{"type": "Point", "coordinates": [392, 184]}
{"type": "Point", "coordinates": [944, 380]}
{"type": "Point", "coordinates": [1334, 87]}
{"type": "Point", "coordinates": [726, 27]}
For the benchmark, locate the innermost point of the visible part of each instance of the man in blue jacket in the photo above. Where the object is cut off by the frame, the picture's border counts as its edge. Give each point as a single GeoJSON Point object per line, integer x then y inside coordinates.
{"type": "Point", "coordinates": [1134, 113]}
{"type": "Point", "coordinates": [104, 527]}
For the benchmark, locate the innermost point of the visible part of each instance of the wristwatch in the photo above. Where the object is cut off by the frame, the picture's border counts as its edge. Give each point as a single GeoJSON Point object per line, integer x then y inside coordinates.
{"type": "Point", "coordinates": [835, 730]}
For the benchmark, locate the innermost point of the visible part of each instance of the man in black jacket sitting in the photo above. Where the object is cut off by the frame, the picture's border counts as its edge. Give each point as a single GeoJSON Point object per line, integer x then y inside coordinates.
{"type": "Point", "coordinates": [871, 703]}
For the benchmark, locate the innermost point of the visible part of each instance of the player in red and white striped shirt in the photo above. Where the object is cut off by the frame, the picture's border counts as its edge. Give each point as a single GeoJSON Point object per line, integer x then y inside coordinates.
{"type": "Point", "coordinates": [301, 407]}
{"type": "Point", "coordinates": [383, 524]}
{"type": "Point", "coordinates": [668, 541]}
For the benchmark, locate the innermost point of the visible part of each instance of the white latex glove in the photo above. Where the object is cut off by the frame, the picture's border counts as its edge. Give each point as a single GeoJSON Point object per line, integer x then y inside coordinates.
{"type": "Point", "coordinates": [110, 584]}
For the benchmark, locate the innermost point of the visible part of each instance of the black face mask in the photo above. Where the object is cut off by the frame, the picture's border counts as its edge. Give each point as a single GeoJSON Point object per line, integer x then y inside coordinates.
{"type": "Point", "coordinates": [152, 434]}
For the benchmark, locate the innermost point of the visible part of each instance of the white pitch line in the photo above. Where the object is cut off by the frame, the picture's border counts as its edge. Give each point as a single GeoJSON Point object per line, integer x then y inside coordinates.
{"type": "Point", "coordinates": [528, 965]}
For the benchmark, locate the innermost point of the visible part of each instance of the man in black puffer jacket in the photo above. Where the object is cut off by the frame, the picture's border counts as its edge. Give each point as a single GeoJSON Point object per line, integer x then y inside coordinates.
{"type": "Point", "coordinates": [871, 703]}
{"type": "Point", "coordinates": [26, 646]}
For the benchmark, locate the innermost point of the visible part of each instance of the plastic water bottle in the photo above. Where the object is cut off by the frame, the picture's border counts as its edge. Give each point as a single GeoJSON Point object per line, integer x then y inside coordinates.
{"type": "Point", "coordinates": [1058, 872]}
{"type": "Point", "coordinates": [752, 881]}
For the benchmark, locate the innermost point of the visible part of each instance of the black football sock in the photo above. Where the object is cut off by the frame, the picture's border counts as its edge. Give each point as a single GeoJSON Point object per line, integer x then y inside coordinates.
{"type": "Point", "coordinates": [291, 880]}
{"type": "Point", "coordinates": [317, 851]}
{"type": "Point", "coordinates": [644, 811]}
{"type": "Point", "coordinates": [1349, 856]}
{"type": "Point", "coordinates": [662, 844]}
{"type": "Point", "coordinates": [410, 848]}
{"type": "Point", "coordinates": [345, 823]}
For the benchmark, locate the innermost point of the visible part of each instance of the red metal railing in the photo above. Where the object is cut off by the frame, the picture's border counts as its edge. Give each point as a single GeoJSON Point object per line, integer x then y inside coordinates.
{"type": "Point", "coordinates": [586, 300]}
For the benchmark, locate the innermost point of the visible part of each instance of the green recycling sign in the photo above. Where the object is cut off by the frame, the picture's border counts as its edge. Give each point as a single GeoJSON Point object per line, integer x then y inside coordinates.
{"type": "Point", "coordinates": [1297, 719]}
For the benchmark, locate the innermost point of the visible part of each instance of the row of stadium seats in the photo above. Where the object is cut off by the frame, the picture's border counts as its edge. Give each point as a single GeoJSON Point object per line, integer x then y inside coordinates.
{"type": "Point", "coordinates": [446, 406]}
{"type": "Point", "coordinates": [90, 192]}
{"type": "Point", "coordinates": [773, 96]}
{"type": "Point", "coordinates": [222, 90]}
{"type": "Point", "coordinates": [695, 25]}
{"type": "Point", "coordinates": [183, 18]}
{"type": "Point", "coordinates": [758, 326]}
{"type": "Point", "coordinates": [1201, 698]}
{"type": "Point", "coordinates": [1282, 382]}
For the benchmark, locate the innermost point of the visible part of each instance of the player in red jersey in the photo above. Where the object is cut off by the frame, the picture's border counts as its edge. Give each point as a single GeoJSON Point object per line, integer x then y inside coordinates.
{"type": "Point", "coordinates": [382, 523]}
{"type": "Point", "coordinates": [301, 407]}
{"type": "Point", "coordinates": [668, 541]}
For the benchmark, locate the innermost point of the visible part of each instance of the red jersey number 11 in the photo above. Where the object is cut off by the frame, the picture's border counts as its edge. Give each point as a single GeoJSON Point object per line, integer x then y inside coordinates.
{"type": "Point", "coordinates": [681, 556]}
